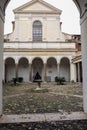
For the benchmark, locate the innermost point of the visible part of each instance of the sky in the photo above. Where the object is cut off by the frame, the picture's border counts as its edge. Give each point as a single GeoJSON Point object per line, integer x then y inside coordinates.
{"type": "Point", "coordinates": [70, 15]}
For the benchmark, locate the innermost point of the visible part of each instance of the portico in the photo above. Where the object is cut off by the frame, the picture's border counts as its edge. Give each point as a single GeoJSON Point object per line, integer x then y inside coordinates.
{"type": "Point", "coordinates": [47, 67]}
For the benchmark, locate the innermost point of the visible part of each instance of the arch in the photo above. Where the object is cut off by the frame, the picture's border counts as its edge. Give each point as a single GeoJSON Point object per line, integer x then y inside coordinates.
{"type": "Point", "coordinates": [23, 69]}
{"type": "Point", "coordinates": [37, 66]}
{"type": "Point", "coordinates": [33, 58]}
{"type": "Point", "coordinates": [6, 58]}
{"type": "Point", "coordinates": [51, 69]}
{"type": "Point", "coordinates": [65, 68]}
{"type": "Point", "coordinates": [21, 58]}
{"type": "Point", "coordinates": [68, 57]}
{"type": "Point", "coordinates": [9, 69]}
{"type": "Point", "coordinates": [78, 5]}
{"type": "Point", "coordinates": [37, 31]}
{"type": "Point", "coordinates": [9, 58]}
{"type": "Point", "coordinates": [81, 3]}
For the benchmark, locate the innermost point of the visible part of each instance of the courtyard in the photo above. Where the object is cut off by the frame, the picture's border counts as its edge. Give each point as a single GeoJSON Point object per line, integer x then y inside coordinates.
{"type": "Point", "coordinates": [23, 99]}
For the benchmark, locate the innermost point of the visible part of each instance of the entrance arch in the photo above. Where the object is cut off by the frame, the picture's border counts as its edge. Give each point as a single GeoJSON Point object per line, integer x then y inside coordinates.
{"type": "Point", "coordinates": [82, 6]}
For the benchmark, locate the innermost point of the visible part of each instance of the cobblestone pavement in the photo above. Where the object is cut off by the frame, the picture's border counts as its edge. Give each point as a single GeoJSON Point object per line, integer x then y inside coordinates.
{"type": "Point", "coordinates": [61, 125]}
{"type": "Point", "coordinates": [72, 93]}
{"type": "Point", "coordinates": [24, 98]}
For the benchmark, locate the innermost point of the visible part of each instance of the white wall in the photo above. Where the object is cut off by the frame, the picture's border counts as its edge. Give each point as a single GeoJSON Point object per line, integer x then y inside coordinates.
{"type": "Point", "coordinates": [23, 70]}
{"type": "Point", "coordinates": [65, 70]}
{"type": "Point", "coordinates": [51, 72]}
{"type": "Point", "coordinates": [50, 27]}
{"type": "Point", "coordinates": [51, 69]}
{"type": "Point", "coordinates": [10, 72]}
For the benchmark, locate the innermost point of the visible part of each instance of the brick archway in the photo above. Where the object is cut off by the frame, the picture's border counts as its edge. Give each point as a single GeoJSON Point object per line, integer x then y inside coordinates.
{"type": "Point", "coordinates": [82, 6]}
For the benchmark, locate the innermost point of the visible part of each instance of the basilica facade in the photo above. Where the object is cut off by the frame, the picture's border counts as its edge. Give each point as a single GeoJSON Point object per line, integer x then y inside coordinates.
{"type": "Point", "coordinates": [37, 44]}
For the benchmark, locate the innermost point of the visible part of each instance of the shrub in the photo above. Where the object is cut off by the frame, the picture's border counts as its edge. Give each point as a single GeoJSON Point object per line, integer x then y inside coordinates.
{"type": "Point", "coordinates": [56, 80]}
{"type": "Point", "coordinates": [20, 79]}
{"type": "Point", "coordinates": [14, 81]}
{"type": "Point", "coordinates": [60, 80]}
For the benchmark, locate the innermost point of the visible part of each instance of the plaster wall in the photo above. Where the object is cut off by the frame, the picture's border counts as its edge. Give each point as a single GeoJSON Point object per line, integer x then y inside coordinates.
{"type": "Point", "coordinates": [23, 71]}
{"type": "Point", "coordinates": [51, 73]}
{"type": "Point", "coordinates": [65, 69]}
{"type": "Point", "coordinates": [50, 28]}
{"type": "Point", "coordinates": [10, 72]}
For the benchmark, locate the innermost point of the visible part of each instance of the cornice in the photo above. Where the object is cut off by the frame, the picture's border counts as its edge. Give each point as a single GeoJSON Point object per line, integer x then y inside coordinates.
{"type": "Point", "coordinates": [39, 50]}
{"type": "Point", "coordinates": [77, 58]}
{"type": "Point", "coordinates": [31, 12]}
{"type": "Point", "coordinates": [18, 10]}
{"type": "Point", "coordinates": [39, 42]}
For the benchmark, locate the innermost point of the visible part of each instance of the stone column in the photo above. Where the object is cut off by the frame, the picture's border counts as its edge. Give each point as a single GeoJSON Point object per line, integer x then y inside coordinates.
{"type": "Point", "coordinates": [58, 69]}
{"type": "Point", "coordinates": [3, 71]}
{"type": "Point", "coordinates": [1, 55]}
{"type": "Point", "coordinates": [44, 72]}
{"type": "Point", "coordinates": [16, 71]}
{"type": "Point", "coordinates": [81, 72]}
{"type": "Point", "coordinates": [84, 57]}
{"type": "Point", "coordinates": [76, 72]}
{"type": "Point", "coordinates": [78, 64]}
{"type": "Point", "coordinates": [72, 72]}
{"type": "Point", "coordinates": [30, 72]}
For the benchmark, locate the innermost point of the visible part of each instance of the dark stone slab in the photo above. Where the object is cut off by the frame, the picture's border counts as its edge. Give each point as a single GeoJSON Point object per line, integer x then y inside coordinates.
{"type": "Point", "coordinates": [61, 125]}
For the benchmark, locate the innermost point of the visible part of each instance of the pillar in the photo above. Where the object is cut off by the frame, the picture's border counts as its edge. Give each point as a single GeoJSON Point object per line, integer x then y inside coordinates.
{"type": "Point", "coordinates": [3, 71]}
{"type": "Point", "coordinates": [44, 72]}
{"type": "Point", "coordinates": [76, 72]}
{"type": "Point", "coordinates": [78, 64]}
{"type": "Point", "coordinates": [16, 73]}
{"type": "Point", "coordinates": [1, 56]}
{"type": "Point", "coordinates": [30, 72]}
{"type": "Point", "coordinates": [84, 57]}
{"type": "Point", "coordinates": [81, 72]}
{"type": "Point", "coordinates": [58, 69]}
{"type": "Point", "coordinates": [72, 72]}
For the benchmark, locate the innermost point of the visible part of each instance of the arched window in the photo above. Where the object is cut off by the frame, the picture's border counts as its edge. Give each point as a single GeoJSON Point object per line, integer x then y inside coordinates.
{"type": "Point", "coordinates": [37, 31]}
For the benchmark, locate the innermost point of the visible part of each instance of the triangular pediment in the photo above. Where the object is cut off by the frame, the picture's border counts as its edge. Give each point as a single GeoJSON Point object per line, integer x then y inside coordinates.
{"type": "Point", "coordinates": [37, 6]}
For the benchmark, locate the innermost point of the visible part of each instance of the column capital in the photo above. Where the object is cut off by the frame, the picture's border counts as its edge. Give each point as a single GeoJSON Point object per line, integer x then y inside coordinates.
{"type": "Point", "coordinates": [16, 61]}
{"type": "Point", "coordinates": [30, 63]}
{"type": "Point", "coordinates": [44, 63]}
{"type": "Point", "coordinates": [58, 63]}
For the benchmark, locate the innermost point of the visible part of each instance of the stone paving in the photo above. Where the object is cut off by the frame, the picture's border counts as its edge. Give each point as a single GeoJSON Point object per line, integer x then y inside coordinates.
{"type": "Point", "coordinates": [45, 121]}
{"type": "Point", "coordinates": [24, 99]}
{"type": "Point", "coordinates": [43, 117]}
